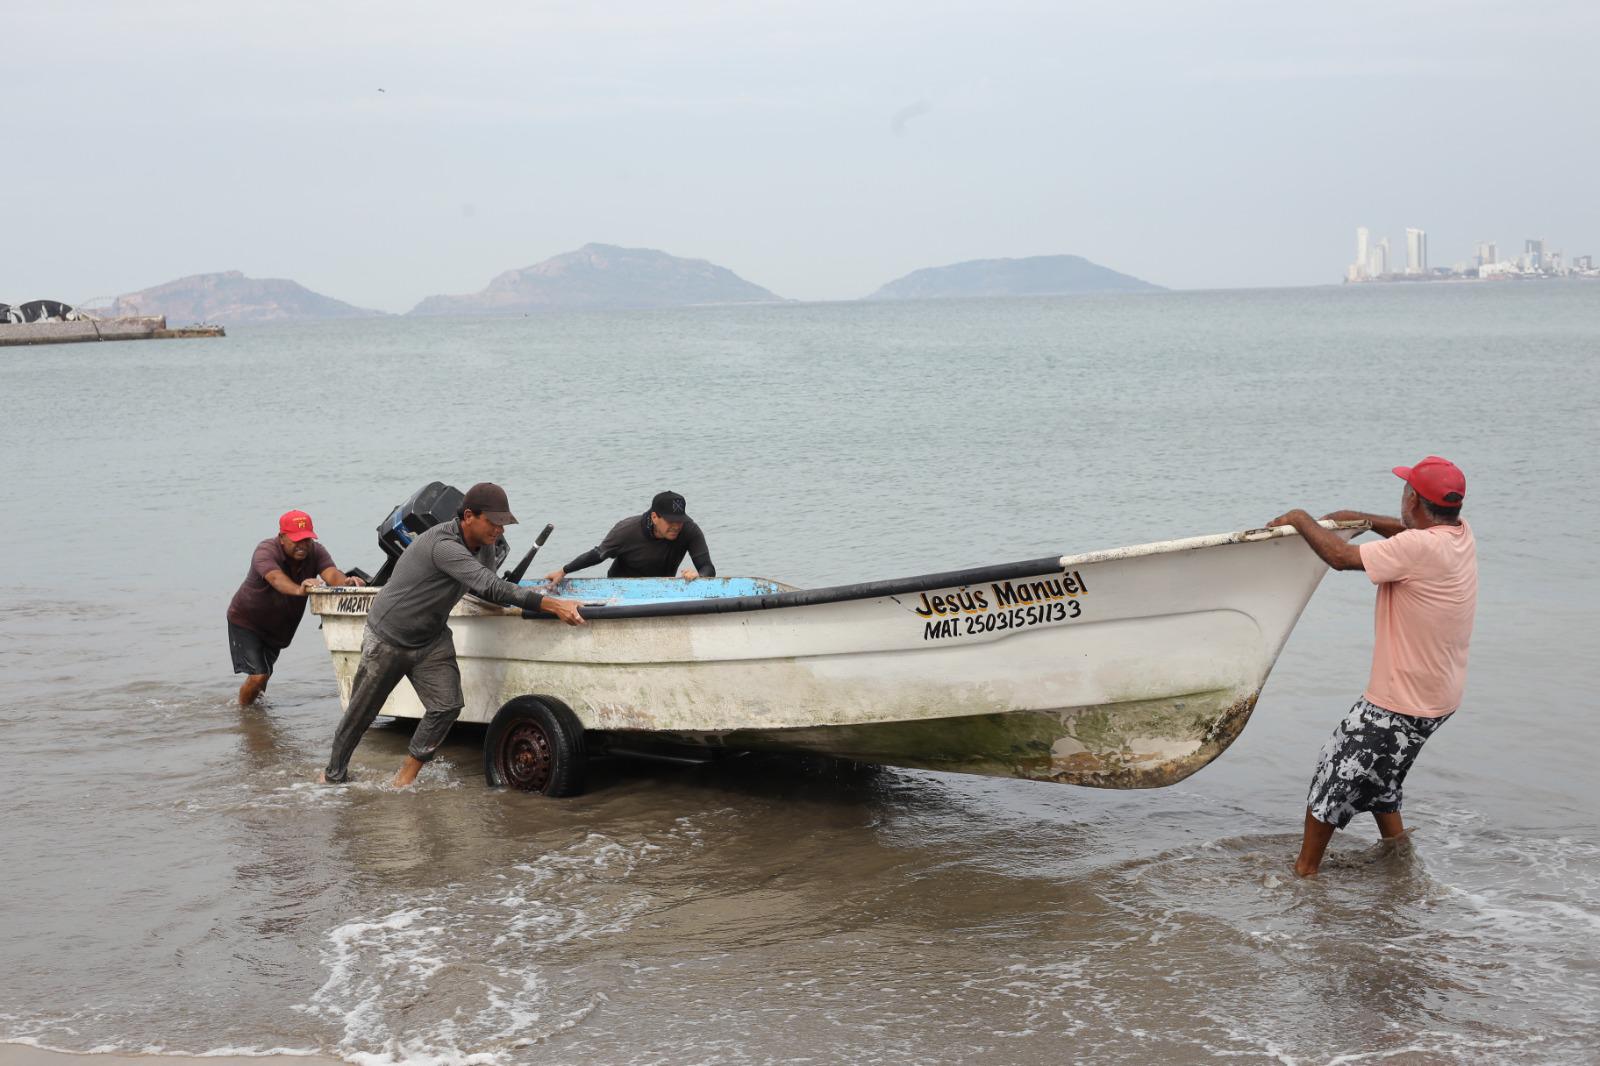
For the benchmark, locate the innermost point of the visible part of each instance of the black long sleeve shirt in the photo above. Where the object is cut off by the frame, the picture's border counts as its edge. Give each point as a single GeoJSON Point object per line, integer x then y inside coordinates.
{"type": "Point", "coordinates": [636, 551]}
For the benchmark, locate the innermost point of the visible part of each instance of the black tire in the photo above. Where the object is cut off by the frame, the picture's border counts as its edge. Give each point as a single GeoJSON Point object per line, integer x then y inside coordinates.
{"type": "Point", "coordinates": [535, 744]}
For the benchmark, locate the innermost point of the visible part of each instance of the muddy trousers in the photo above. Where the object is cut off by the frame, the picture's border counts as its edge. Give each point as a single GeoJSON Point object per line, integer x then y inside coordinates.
{"type": "Point", "coordinates": [433, 674]}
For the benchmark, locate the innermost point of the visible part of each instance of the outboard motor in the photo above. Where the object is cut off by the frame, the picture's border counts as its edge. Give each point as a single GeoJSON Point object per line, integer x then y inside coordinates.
{"type": "Point", "coordinates": [429, 506]}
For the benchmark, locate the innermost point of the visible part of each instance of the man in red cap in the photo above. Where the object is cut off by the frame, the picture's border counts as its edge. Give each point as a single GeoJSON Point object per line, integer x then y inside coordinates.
{"type": "Point", "coordinates": [1426, 570]}
{"type": "Point", "coordinates": [267, 608]}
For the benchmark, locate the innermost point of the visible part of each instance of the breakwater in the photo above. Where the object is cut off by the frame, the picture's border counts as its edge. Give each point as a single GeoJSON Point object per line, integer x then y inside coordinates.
{"type": "Point", "coordinates": [134, 328]}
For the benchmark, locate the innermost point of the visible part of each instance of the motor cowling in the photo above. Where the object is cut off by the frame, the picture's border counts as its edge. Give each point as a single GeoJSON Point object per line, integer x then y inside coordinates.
{"type": "Point", "coordinates": [429, 506]}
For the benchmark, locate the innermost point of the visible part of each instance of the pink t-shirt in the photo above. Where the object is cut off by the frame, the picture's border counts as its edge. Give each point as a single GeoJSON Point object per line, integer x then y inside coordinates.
{"type": "Point", "coordinates": [1427, 592]}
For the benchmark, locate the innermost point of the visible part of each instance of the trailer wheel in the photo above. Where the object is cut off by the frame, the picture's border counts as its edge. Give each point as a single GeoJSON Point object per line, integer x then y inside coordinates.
{"type": "Point", "coordinates": [535, 744]}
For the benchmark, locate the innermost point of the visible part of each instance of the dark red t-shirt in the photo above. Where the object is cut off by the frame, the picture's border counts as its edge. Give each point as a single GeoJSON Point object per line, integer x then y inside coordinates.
{"type": "Point", "coordinates": [262, 609]}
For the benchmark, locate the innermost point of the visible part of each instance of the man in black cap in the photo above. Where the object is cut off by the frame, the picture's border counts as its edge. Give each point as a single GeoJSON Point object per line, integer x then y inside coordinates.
{"type": "Point", "coordinates": [649, 545]}
{"type": "Point", "coordinates": [407, 635]}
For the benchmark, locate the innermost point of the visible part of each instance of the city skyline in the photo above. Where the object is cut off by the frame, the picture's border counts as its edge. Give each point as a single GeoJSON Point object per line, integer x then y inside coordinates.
{"type": "Point", "coordinates": [1372, 262]}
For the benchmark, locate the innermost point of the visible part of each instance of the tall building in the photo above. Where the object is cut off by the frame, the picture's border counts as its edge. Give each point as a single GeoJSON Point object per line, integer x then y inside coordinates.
{"type": "Point", "coordinates": [1416, 251]}
{"type": "Point", "coordinates": [1533, 250]}
{"type": "Point", "coordinates": [1378, 263]}
{"type": "Point", "coordinates": [1486, 253]}
{"type": "Point", "coordinates": [1361, 251]}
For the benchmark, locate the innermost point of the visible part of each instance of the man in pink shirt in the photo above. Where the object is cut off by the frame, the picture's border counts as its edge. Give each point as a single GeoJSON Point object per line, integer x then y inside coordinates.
{"type": "Point", "coordinates": [1426, 570]}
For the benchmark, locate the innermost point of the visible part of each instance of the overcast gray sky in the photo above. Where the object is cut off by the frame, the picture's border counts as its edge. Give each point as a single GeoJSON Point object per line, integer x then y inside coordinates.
{"type": "Point", "coordinates": [819, 148]}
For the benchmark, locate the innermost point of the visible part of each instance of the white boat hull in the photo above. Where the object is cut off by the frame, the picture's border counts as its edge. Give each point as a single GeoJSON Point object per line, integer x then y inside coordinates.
{"type": "Point", "coordinates": [1125, 669]}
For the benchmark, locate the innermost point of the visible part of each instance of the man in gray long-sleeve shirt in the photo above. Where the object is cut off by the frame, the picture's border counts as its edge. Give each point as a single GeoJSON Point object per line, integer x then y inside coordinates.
{"type": "Point", "coordinates": [407, 635]}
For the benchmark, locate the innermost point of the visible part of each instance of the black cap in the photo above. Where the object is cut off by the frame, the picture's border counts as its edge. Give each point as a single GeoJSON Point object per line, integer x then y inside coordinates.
{"type": "Point", "coordinates": [670, 506]}
{"type": "Point", "coordinates": [489, 500]}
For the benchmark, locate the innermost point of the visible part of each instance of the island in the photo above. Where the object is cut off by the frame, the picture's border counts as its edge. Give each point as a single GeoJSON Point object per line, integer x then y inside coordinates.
{"type": "Point", "coordinates": [603, 276]}
{"type": "Point", "coordinates": [230, 297]}
{"type": "Point", "coordinates": [1039, 275]}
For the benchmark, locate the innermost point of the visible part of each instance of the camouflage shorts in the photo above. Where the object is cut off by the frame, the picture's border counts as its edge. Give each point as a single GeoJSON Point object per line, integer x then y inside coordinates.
{"type": "Point", "coordinates": [1364, 763]}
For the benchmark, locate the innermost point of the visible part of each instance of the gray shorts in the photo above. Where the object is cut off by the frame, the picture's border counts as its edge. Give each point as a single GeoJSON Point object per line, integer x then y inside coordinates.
{"type": "Point", "coordinates": [1364, 764]}
{"type": "Point", "coordinates": [251, 654]}
{"type": "Point", "coordinates": [433, 673]}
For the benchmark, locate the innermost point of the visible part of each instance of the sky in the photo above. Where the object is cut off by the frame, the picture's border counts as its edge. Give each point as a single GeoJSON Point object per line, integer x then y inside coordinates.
{"type": "Point", "coordinates": [382, 152]}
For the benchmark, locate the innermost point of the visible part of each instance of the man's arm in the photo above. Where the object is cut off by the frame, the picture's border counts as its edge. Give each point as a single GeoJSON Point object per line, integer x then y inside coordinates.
{"type": "Point", "coordinates": [613, 542]}
{"type": "Point", "coordinates": [582, 562]}
{"type": "Point", "coordinates": [265, 563]}
{"type": "Point", "coordinates": [454, 559]}
{"type": "Point", "coordinates": [1329, 546]}
{"type": "Point", "coordinates": [566, 610]}
{"type": "Point", "coordinates": [334, 576]}
{"type": "Point", "coordinates": [703, 566]}
{"type": "Point", "coordinates": [284, 584]}
{"type": "Point", "coordinates": [1382, 525]}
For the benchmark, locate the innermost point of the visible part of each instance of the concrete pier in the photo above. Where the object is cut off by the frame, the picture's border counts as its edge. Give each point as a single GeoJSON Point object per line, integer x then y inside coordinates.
{"type": "Point", "coordinates": [136, 328]}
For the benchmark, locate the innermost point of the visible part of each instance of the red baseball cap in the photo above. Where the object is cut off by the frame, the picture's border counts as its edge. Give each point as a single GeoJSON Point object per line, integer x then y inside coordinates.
{"type": "Point", "coordinates": [296, 525]}
{"type": "Point", "coordinates": [1436, 480]}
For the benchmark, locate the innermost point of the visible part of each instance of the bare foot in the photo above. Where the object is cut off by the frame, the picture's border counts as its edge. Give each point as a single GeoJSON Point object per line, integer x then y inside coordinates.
{"type": "Point", "coordinates": [1399, 844]}
{"type": "Point", "coordinates": [407, 773]}
{"type": "Point", "coordinates": [254, 687]}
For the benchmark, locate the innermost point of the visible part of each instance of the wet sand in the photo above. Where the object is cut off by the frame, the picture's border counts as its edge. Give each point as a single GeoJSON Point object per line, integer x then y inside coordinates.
{"type": "Point", "coordinates": [28, 1055]}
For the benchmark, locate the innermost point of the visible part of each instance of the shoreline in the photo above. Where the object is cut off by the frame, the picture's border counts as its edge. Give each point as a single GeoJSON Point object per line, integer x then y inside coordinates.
{"type": "Point", "coordinates": [17, 1053]}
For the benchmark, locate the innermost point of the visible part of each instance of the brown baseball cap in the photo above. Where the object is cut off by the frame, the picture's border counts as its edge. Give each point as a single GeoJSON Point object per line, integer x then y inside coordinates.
{"type": "Point", "coordinates": [489, 500]}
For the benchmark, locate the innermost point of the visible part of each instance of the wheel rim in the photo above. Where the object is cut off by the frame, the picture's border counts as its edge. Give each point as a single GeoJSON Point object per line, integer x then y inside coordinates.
{"type": "Point", "coordinates": [525, 757]}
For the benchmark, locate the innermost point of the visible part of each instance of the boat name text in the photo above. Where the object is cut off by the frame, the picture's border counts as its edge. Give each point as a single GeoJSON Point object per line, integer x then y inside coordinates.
{"type": "Point", "coordinates": [1006, 594]}
{"type": "Point", "coordinates": [1002, 606]}
{"type": "Point", "coordinates": [1000, 621]}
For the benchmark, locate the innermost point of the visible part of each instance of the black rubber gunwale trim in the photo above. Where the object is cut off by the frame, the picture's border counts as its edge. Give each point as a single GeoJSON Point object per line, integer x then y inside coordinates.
{"type": "Point", "coordinates": [866, 590]}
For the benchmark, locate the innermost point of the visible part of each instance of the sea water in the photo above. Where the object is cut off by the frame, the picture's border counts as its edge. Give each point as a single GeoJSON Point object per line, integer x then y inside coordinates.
{"type": "Point", "coordinates": [174, 880]}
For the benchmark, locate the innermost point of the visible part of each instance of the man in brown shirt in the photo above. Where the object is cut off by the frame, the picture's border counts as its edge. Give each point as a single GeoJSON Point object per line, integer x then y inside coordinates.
{"type": "Point", "coordinates": [267, 608]}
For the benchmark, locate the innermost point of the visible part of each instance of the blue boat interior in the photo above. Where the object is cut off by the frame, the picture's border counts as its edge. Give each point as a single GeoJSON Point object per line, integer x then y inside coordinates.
{"type": "Point", "coordinates": [651, 597]}
{"type": "Point", "coordinates": [637, 591]}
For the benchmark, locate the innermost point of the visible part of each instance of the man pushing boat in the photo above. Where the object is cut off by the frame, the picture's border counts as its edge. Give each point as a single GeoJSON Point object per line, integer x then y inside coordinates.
{"type": "Point", "coordinates": [267, 608]}
{"type": "Point", "coordinates": [407, 635]}
{"type": "Point", "coordinates": [1426, 570]}
{"type": "Point", "coordinates": [649, 545]}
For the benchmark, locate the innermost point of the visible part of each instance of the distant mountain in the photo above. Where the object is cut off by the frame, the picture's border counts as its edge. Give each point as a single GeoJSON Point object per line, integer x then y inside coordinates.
{"type": "Point", "coordinates": [230, 298]}
{"type": "Point", "coordinates": [1039, 275]}
{"type": "Point", "coordinates": [603, 276]}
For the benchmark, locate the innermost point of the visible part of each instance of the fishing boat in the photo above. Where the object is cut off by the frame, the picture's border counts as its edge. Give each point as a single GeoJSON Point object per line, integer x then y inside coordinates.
{"type": "Point", "coordinates": [1127, 668]}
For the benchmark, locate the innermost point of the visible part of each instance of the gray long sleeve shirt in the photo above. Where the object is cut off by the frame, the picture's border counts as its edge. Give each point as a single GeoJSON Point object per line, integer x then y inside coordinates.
{"type": "Point", "coordinates": [430, 577]}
